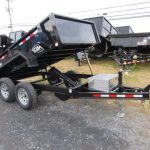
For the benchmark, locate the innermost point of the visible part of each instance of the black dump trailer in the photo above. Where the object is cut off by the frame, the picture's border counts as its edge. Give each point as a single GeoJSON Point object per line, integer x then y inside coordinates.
{"type": "Point", "coordinates": [120, 43]}
{"type": "Point", "coordinates": [104, 28]}
{"type": "Point", "coordinates": [131, 48]}
{"type": "Point", "coordinates": [53, 39]}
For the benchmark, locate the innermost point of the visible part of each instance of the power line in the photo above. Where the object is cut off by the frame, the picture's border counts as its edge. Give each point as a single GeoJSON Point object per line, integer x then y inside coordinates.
{"type": "Point", "coordinates": [23, 25]}
{"type": "Point", "coordinates": [133, 17]}
{"type": "Point", "coordinates": [139, 13]}
{"type": "Point", "coordinates": [130, 14]}
{"type": "Point", "coordinates": [16, 25]}
{"type": "Point", "coordinates": [128, 10]}
{"type": "Point", "coordinates": [3, 28]}
{"type": "Point", "coordinates": [99, 14]}
{"type": "Point", "coordinates": [119, 11]}
{"type": "Point", "coordinates": [117, 15]}
{"type": "Point", "coordinates": [118, 6]}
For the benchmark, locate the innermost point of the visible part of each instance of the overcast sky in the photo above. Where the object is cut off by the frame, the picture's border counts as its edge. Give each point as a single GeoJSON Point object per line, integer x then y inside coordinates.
{"type": "Point", "coordinates": [28, 12]}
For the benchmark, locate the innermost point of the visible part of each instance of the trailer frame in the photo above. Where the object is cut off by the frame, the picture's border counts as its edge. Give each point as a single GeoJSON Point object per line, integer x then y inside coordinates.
{"type": "Point", "coordinates": [81, 90]}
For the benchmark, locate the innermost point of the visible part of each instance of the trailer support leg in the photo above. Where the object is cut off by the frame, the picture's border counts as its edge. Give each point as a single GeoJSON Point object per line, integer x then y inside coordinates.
{"type": "Point", "coordinates": [89, 64]}
{"type": "Point", "coordinates": [120, 80]}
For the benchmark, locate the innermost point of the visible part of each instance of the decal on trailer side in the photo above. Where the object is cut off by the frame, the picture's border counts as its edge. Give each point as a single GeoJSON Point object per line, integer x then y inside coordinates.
{"type": "Point", "coordinates": [37, 49]}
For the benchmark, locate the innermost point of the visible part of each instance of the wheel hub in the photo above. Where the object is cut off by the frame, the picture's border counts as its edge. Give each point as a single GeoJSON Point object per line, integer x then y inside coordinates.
{"type": "Point", "coordinates": [23, 96]}
{"type": "Point", "coordinates": [4, 90]}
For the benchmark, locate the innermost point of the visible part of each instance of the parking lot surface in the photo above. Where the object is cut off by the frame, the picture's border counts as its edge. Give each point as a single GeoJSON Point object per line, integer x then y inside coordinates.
{"type": "Point", "coordinates": [77, 124]}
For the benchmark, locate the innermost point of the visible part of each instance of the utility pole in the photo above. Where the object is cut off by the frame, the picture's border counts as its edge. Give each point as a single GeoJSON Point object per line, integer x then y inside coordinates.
{"type": "Point", "coordinates": [9, 10]}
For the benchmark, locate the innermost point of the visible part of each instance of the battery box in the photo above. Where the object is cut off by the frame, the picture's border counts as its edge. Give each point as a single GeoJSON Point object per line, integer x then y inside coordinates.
{"type": "Point", "coordinates": [103, 82]}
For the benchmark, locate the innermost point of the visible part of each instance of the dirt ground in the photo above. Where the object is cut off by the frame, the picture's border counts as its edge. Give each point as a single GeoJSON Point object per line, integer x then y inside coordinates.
{"type": "Point", "coordinates": [79, 124]}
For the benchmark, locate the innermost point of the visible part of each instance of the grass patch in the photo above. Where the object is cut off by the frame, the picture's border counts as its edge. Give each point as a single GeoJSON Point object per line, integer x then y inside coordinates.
{"type": "Point", "coordinates": [139, 77]}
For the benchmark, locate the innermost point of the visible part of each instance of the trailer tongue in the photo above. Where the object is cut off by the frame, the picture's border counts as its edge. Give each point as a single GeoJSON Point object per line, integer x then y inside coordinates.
{"type": "Point", "coordinates": [52, 40]}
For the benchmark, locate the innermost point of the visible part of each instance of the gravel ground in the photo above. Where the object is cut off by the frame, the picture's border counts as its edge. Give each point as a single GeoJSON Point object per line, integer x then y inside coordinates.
{"type": "Point", "coordinates": [73, 125]}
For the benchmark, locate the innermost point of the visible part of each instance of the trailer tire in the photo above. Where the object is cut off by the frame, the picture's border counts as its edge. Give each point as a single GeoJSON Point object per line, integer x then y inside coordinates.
{"type": "Point", "coordinates": [7, 90]}
{"type": "Point", "coordinates": [75, 79]}
{"type": "Point", "coordinates": [26, 95]}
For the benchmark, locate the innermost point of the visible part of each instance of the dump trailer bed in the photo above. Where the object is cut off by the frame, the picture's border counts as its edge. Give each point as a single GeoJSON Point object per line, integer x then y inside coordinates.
{"type": "Point", "coordinates": [53, 39]}
{"type": "Point", "coordinates": [139, 41]}
{"type": "Point", "coordinates": [104, 28]}
{"type": "Point", "coordinates": [130, 49]}
{"type": "Point", "coordinates": [124, 29]}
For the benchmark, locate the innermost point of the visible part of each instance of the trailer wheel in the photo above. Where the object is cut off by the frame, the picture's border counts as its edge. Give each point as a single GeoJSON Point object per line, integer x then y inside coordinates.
{"type": "Point", "coordinates": [7, 90]}
{"type": "Point", "coordinates": [26, 95]}
{"type": "Point", "coordinates": [73, 78]}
